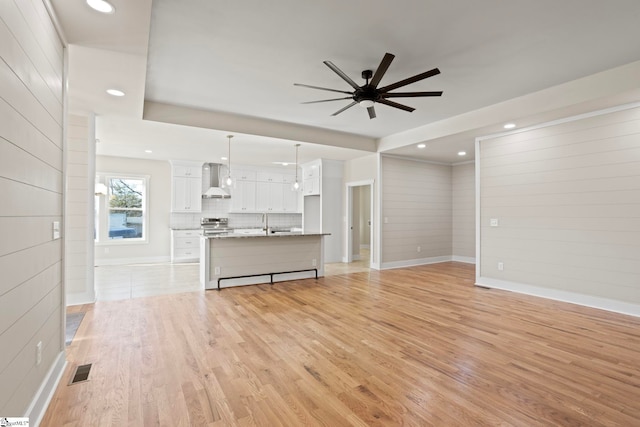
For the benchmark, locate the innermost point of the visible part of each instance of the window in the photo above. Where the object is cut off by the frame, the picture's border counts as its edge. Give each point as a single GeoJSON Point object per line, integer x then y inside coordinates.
{"type": "Point", "coordinates": [122, 215]}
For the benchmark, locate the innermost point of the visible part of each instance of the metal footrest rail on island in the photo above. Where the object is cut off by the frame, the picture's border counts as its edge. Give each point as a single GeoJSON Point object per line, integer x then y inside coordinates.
{"type": "Point", "coordinates": [267, 274]}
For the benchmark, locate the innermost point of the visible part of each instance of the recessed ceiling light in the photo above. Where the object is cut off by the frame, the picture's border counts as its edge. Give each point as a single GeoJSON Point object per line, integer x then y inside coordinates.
{"type": "Point", "coordinates": [101, 6]}
{"type": "Point", "coordinates": [422, 145]}
{"type": "Point", "coordinates": [223, 158]}
{"type": "Point", "coordinates": [115, 92]}
{"type": "Point", "coordinates": [462, 153]}
{"type": "Point", "coordinates": [509, 125]}
{"type": "Point", "coordinates": [148, 151]}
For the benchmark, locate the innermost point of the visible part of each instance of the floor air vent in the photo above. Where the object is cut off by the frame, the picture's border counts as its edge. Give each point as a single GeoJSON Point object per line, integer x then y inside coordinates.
{"type": "Point", "coordinates": [82, 374]}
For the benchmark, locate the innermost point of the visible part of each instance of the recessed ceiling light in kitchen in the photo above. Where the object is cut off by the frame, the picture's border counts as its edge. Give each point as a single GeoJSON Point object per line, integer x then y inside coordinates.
{"type": "Point", "coordinates": [462, 153]}
{"type": "Point", "coordinates": [422, 145]}
{"type": "Point", "coordinates": [101, 6]}
{"type": "Point", "coordinates": [509, 125]}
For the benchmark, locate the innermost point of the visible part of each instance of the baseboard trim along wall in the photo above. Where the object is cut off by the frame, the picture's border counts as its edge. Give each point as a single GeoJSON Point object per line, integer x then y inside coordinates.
{"type": "Point", "coordinates": [564, 296]}
{"type": "Point", "coordinates": [465, 259]}
{"type": "Point", "coordinates": [41, 400]}
{"type": "Point", "coordinates": [125, 261]}
{"type": "Point", "coordinates": [415, 262]}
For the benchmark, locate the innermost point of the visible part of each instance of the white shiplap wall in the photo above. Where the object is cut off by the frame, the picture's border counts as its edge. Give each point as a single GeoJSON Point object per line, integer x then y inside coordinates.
{"type": "Point", "coordinates": [567, 198]}
{"type": "Point", "coordinates": [464, 212]}
{"type": "Point", "coordinates": [416, 203]}
{"type": "Point", "coordinates": [31, 185]}
{"type": "Point", "coordinates": [79, 205]}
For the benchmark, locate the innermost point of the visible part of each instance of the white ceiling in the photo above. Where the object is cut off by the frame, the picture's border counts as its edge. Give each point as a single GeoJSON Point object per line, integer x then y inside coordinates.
{"type": "Point", "coordinates": [242, 58]}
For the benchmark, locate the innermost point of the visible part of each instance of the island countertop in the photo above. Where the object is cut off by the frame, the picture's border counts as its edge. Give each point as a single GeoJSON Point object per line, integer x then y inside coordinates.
{"type": "Point", "coordinates": [278, 234]}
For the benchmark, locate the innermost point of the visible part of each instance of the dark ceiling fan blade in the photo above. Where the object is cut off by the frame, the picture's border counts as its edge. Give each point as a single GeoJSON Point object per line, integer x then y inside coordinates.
{"type": "Point", "coordinates": [410, 94]}
{"type": "Point", "coordinates": [327, 100]}
{"type": "Point", "coordinates": [322, 88]}
{"type": "Point", "coordinates": [342, 109]}
{"type": "Point", "coordinates": [339, 72]}
{"type": "Point", "coordinates": [382, 68]}
{"type": "Point", "coordinates": [410, 80]}
{"type": "Point", "coordinates": [395, 104]}
{"type": "Point", "coordinates": [372, 112]}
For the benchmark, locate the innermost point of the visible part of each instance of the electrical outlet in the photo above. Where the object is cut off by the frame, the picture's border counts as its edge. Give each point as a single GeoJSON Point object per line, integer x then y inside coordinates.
{"type": "Point", "coordinates": [106, 250]}
{"type": "Point", "coordinates": [494, 222]}
{"type": "Point", "coordinates": [314, 262]}
{"type": "Point", "coordinates": [386, 220]}
{"type": "Point", "coordinates": [419, 249]}
{"type": "Point", "coordinates": [39, 353]}
{"type": "Point", "coordinates": [216, 271]}
{"type": "Point", "coordinates": [500, 266]}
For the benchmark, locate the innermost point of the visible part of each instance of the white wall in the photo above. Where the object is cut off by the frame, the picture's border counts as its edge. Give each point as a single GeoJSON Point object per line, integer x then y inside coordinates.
{"type": "Point", "coordinates": [464, 212]}
{"type": "Point", "coordinates": [416, 212]}
{"type": "Point", "coordinates": [79, 205]}
{"type": "Point", "coordinates": [567, 198]}
{"type": "Point", "coordinates": [158, 247]}
{"type": "Point", "coordinates": [31, 184]}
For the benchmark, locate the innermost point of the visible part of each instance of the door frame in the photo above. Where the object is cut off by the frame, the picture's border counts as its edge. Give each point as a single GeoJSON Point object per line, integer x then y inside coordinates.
{"type": "Point", "coordinates": [349, 222]}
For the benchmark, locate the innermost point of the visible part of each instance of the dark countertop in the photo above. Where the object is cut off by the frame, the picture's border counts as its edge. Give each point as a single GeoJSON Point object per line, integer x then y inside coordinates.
{"type": "Point", "coordinates": [246, 236]}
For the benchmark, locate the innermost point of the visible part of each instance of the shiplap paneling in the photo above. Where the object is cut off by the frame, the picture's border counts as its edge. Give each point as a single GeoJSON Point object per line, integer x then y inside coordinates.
{"type": "Point", "coordinates": [79, 206]}
{"type": "Point", "coordinates": [464, 211]}
{"type": "Point", "coordinates": [31, 153]}
{"type": "Point", "coordinates": [567, 197]}
{"type": "Point", "coordinates": [417, 204]}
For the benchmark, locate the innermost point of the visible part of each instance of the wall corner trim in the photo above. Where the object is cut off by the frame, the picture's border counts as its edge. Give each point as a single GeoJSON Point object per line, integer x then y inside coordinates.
{"type": "Point", "coordinates": [36, 410]}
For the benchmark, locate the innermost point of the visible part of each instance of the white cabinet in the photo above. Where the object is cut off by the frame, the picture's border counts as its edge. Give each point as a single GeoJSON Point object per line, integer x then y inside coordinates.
{"type": "Point", "coordinates": [269, 196]}
{"type": "Point", "coordinates": [186, 186]}
{"type": "Point", "coordinates": [311, 175]}
{"type": "Point", "coordinates": [264, 190]}
{"type": "Point", "coordinates": [291, 199]}
{"type": "Point", "coordinates": [185, 245]}
{"type": "Point", "coordinates": [243, 196]}
{"type": "Point", "coordinates": [186, 195]}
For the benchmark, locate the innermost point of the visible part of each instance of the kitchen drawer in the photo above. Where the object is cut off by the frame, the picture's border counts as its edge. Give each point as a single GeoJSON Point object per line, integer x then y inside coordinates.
{"type": "Point", "coordinates": [187, 233]}
{"type": "Point", "coordinates": [186, 253]}
{"type": "Point", "coordinates": [186, 242]}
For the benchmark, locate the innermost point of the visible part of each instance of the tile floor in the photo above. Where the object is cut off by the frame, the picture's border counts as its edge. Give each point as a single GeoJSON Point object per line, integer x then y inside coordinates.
{"type": "Point", "coordinates": [119, 282]}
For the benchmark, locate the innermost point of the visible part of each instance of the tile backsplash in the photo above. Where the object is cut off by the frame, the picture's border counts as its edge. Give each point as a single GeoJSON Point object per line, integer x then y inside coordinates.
{"type": "Point", "coordinates": [219, 208]}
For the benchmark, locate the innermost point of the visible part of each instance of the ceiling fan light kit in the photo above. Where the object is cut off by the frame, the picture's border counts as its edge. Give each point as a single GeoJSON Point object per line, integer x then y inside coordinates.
{"type": "Point", "coordinates": [369, 93]}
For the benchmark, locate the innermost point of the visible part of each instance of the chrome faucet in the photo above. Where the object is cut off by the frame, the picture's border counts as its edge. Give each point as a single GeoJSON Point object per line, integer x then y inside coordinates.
{"type": "Point", "coordinates": [265, 220]}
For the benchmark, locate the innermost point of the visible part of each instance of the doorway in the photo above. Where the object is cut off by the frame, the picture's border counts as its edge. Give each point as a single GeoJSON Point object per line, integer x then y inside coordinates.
{"type": "Point", "coordinates": [359, 222]}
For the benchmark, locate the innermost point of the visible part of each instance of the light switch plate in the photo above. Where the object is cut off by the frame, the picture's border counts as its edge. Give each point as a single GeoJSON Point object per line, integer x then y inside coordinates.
{"type": "Point", "coordinates": [56, 230]}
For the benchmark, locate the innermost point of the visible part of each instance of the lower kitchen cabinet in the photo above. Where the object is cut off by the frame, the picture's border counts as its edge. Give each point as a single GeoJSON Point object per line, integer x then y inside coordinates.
{"type": "Point", "coordinates": [185, 245]}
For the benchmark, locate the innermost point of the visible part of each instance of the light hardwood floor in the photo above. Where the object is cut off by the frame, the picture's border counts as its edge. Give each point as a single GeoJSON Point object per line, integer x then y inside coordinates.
{"type": "Point", "coordinates": [414, 346]}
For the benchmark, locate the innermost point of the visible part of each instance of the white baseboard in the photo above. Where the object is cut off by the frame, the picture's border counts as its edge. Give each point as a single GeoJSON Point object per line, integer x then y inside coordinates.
{"type": "Point", "coordinates": [564, 296]}
{"type": "Point", "coordinates": [125, 261]}
{"type": "Point", "coordinates": [80, 298]}
{"type": "Point", "coordinates": [465, 259]}
{"type": "Point", "coordinates": [414, 262]}
{"type": "Point", "coordinates": [40, 402]}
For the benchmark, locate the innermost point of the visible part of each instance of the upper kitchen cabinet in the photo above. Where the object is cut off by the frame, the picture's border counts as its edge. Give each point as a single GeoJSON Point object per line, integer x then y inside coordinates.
{"type": "Point", "coordinates": [264, 190]}
{"type": "Point", "coordinates": [186, 186]}
{"type": "Point", "coordinates": [311, 178]}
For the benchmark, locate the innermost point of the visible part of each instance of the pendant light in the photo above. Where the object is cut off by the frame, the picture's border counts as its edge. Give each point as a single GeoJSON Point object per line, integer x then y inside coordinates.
{"type": "Point", "coordinates": [229, 181]}
{"type": "Point", "coordinates": [296, 184]}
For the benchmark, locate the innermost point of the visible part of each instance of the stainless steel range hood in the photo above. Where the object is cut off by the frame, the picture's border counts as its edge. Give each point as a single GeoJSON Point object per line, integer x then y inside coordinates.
{"type": "Point", "coordinates": [215, 191]}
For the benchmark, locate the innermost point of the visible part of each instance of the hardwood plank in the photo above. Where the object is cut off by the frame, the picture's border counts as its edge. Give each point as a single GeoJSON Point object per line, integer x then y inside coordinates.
{"type": "Point", "coordinates": [414, 346]}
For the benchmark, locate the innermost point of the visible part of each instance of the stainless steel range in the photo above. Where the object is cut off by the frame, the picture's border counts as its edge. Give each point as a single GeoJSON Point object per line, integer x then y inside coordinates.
{"type": "Point", "coordinates": [212, 226]}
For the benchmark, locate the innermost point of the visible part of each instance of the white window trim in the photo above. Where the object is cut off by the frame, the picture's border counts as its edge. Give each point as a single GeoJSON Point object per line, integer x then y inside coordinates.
{"type": "Point", "coordinates": [103, 232]}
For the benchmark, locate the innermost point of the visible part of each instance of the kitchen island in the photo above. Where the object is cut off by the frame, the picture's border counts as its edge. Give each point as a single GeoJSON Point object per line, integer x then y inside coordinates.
{"type": "Point", "coordinates": [247, 259]}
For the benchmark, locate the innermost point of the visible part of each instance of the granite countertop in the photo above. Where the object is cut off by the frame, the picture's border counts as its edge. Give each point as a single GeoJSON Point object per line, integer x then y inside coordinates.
{"type": "Point", "coordinates": [247, 236]}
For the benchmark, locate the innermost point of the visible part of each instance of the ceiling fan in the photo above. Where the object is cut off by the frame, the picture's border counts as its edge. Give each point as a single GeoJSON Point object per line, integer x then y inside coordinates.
{"type": "Point", "coordinates": [369, 93]}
